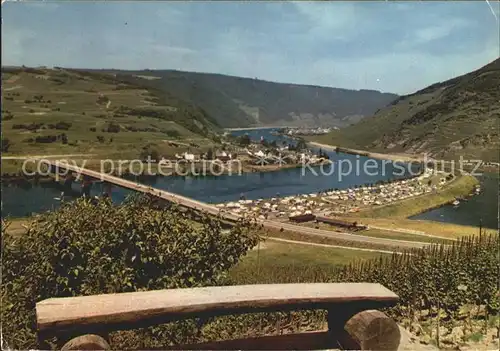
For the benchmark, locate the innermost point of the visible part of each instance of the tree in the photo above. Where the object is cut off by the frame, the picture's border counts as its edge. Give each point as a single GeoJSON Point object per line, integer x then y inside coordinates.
{"type": "Point", "coordinates": [6, 144]}
{"type": "Point", "coordinates": [210, 154]}
{"type": "Point", "coordinates": [244, 140]}
{"type": "Point", "coordinates": [152, 153]}
{"type": "Point", "coordinates": [301, 145]}
{"type": "Point", "coordinates": [64, 138]}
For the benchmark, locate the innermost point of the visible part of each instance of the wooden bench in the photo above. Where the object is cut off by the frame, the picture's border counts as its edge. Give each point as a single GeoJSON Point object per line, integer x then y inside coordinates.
{"type": "Point", "coordinates": [353, 319]}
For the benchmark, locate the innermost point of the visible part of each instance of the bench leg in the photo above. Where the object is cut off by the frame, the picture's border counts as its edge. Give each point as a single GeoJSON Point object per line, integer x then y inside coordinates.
{"type": "Point", "coordinates": [86, 342]}
{"type": "Point", "coordinates": [366, 330]}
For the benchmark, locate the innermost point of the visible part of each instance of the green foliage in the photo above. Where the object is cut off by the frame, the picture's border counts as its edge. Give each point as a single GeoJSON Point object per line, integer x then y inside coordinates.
{"type": "Point", "coordinates": [112, 127]}
{"type": "Point", "coordinates": [5, 145]}
{"type": "Point", "coordinates": [151, 151]}
{"type": "Point", "coordinates": [244, 140]}
{"type": "Point", "coordinates": [437, 275]}
{"type": "Point", "coordinates": [89, 248]}
{"type": "Point", "coordinates": [235, 101]}
{"type": "Point", "coordinates": [299, 146]}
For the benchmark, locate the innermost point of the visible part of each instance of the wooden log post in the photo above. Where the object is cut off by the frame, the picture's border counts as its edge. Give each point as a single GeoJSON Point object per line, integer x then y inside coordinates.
{"type": "Point", "coordinates": [86, 342]}
{"type": "Point", "coordinates": [370, 330]}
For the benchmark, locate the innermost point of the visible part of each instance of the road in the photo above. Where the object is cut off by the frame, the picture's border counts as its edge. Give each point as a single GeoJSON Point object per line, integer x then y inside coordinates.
{"type": "Point", "coordinates": [392, 157]}
{"type": "Point", "coordinates": [204, 207]}
{"type": "Point", "coordinates": [26, 157]}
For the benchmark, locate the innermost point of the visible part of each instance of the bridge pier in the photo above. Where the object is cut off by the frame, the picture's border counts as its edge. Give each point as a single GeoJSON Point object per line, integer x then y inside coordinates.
{"type": "Point", "coordinates": [86, 186]}
{"type": "Point", "coordinates": [68, 184]}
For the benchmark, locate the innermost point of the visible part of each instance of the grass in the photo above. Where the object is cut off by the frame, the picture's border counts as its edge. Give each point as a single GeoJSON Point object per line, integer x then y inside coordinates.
{"type": "Point", "coordinates": [380, 233]}
{"type": "Point", "coordinates": [461, 186]}
{"type": "Point", "coordinates": [447, 230]}
{"type": "Point", "coordinates": [278, 262]}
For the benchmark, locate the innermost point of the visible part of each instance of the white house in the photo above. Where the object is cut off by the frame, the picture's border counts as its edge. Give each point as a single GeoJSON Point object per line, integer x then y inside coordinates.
{"type": "Point", "coordinates": [188, 157]}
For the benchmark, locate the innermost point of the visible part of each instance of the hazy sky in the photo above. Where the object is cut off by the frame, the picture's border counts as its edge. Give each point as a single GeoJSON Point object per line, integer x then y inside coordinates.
{"type": "Point", "coordinates": [391, 46]}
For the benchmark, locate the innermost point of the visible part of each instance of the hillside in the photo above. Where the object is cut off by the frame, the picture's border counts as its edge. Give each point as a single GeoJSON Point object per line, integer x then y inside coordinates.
{"type": "Point", "coordinates": [458, 117]}
{"type": "Point", "coordinates": [65, 111]}
{"type": "Point", "coordinates": [244, 102]}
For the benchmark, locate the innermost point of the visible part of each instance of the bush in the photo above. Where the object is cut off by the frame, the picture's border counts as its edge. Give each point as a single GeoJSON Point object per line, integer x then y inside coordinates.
{"type": "Point", "coordinates": [46, 139]}
{"type": "Point", "coordinates": [6, 144]}
{"type": "Point", "coordinates": [89, 248]}
{"type": "Point", "coordinates": [30, 127]}
{"type": "Point", "coordinates": [7, 115]}
{"type": "Point", "coordinates": [92, 129]}
{"type": "Point", "coordinates": [150, 151]}
{"type": "Point", "coordinates": [112, 128]}
{"type": "Point", "coordinates": [60, 125]}
{"type": "Point", "coordinates": [244, 140]}
{"type": "Point", "coordinates": [102, 100]}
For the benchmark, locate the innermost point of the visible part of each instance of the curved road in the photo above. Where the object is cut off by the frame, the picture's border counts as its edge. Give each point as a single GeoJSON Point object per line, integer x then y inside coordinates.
{"type": "Point", "coordinates": [204, 207]}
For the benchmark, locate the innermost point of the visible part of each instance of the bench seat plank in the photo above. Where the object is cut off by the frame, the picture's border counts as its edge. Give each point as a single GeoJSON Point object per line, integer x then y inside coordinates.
{"type": "Point", "coordinates": [139, 309]}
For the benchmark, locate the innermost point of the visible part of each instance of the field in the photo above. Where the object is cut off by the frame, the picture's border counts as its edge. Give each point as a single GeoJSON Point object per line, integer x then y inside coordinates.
{"type": "Point", "coordinates": [277, 262]}
{"type": "Point", "coordinates": [97, 115]}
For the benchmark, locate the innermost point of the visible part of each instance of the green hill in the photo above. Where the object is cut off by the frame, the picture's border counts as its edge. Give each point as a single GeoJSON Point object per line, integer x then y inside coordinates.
{"type": "Point", "coordinates": [458, 117]}
{"type": "Point", "coordinates": [245, 102]}
{"type": "Point", "coordinates": [95, 112]}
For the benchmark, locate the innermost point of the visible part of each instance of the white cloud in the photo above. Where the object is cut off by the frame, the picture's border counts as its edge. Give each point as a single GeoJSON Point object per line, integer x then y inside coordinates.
{"type": "Point", "coordinates": [439, 31]}
{"type": "Point", "coordinates": [329, 22]}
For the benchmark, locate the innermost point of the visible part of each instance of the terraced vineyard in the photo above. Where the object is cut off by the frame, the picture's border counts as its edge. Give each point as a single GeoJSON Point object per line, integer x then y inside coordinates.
{"type": "Point", "coordinates": [64, 112]}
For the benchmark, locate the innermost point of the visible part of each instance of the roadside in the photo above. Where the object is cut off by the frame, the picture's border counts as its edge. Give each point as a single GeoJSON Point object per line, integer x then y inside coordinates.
{"type": "Point", "coordinates": [392, 157]}
{"type": "Point", "coordinates": [459, 187]}
{"type": "Point", "coordinates": [25, 157]}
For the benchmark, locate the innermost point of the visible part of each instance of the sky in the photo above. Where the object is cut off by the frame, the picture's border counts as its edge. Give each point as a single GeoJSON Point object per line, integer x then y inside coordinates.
{"type": "Point", "coordinates": [391, 46]}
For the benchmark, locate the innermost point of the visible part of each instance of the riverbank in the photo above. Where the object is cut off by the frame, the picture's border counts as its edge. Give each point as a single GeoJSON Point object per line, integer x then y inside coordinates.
{"type": "Point", "coordinates": [376, 155]}
{"type": "Point", "coordinates": [129, 169]}
{"type": "Point", "coordinates": [254, 128]}
{"type": "Point", "coordinates": [460, 187]}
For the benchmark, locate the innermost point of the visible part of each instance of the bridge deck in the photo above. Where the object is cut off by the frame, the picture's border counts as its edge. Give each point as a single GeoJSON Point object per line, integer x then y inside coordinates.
{"type": "Point", "coordinates": [204, 207]}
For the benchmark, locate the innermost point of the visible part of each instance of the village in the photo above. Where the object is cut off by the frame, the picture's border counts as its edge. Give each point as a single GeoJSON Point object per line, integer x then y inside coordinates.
{"type": "Point", "coordinates": [305, 131]}
{"type": "Point", "coordinates": [255, 154]}
{"type": "Point", "coordinates": [336, 202]}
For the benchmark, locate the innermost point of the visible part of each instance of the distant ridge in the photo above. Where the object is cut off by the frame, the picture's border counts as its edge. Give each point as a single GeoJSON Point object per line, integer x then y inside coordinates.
{"type": "Point", "coordinates": [457, 117]}
{"type": "Point", "coordinates": [244, 102]}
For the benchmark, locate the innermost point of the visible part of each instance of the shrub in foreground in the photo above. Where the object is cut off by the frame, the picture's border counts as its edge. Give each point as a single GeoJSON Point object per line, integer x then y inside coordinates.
{"type": "Point", "coordinates": [89, 248]}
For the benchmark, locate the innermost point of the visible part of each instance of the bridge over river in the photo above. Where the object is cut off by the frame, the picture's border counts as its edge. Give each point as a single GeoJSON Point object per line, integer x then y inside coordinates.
{"type": "Point", "coordinates": [187, 202]}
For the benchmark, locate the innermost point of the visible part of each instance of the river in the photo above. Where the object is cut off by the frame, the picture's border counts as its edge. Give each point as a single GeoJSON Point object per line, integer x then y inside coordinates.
{"type": "Point", "coordinates": [19, 201]}
{"type": "Point", "coordinates": [482, 208]}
